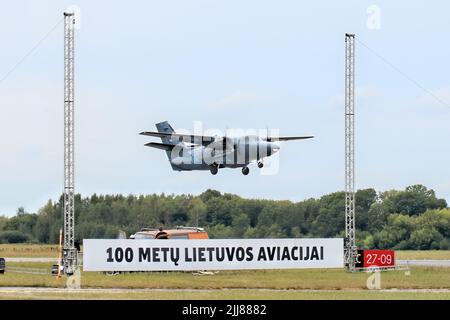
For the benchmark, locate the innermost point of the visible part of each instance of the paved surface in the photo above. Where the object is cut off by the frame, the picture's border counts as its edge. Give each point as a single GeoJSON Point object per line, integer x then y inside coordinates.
{"type": "Point", "coordinates": [427, 263]}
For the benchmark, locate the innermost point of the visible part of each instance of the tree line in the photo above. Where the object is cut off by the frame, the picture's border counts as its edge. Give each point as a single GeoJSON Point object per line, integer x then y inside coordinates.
{"type": "Point", "coordinates": [413, 218]}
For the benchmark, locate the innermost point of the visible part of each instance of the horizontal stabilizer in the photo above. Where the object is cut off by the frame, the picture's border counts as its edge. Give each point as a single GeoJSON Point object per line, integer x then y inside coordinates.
{"type": "Point", "coordinates": [270, 139]}
{"type": "Point", "coordinates": [162, 146]}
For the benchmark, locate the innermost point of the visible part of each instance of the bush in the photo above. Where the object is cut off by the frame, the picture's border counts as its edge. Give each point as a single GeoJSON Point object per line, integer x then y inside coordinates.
{"type": "Point", "coordinates": [12, 236]}
{"type": "Point", "coordinates": [444, 244]}
{"type": "Point", "coordinates": [424, 239]}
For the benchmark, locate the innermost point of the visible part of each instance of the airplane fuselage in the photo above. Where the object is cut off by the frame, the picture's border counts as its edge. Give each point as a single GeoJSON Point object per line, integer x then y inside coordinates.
{"type": "Point", "coordinates": [235, 154]}
{"type": "Point", "coordinates": [197, 152]}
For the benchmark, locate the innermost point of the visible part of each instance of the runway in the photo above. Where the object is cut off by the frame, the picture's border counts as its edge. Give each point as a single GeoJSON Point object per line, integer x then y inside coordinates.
{"type": "Point", "coordinates": [425, 263]}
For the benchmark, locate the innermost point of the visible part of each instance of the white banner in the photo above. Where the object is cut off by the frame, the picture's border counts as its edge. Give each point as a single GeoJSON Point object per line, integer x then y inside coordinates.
{"type": "Point", "coordinates": [211, 254]}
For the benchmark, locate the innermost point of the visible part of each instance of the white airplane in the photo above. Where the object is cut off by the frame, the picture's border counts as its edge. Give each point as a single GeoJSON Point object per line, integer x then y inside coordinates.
{"type": "Point", "coordinates": [194, 152]}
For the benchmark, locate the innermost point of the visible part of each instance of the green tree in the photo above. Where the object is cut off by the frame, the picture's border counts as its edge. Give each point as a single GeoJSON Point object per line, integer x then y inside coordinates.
{"type": "Point", "coordinates": [220, 231]}
{"type": "Point", "coordinates": [3, 221]}
{"type": "Point", "coordinates": [197, 212]}
{"type": "Point", "coordinates": [425, 238]}
{"type": "Point", "coordinates": [364, 199]}
{"type": "Point", "coordinates": [240, 224]}
{"type": "Point", "coordinates": [13, 236]}
{"type": "Point", "coordinates": [377, 217]}
{"type": "Point", "coordinates": [330, 219]}
{"type": "Point", "coordinates": [416, 200]}
{"type": "Point", "coordinates": [411, 219]}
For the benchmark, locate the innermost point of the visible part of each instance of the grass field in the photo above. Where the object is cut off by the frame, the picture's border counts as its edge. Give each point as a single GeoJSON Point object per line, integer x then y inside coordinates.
{"type": "Point", "coordinates": [294, 279]}
{"type": "Point", "coordinates": [422, 254]}
{"type": "Point", "coordinates": [234, 295]}
{"type": "Point", "coordinates": [28, 250]}
{"type": "Point", "coordinates": [333, 283]}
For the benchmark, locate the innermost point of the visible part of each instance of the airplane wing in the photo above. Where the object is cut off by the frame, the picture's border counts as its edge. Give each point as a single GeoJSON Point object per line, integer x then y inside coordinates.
{"type": "Point", "coordinates": [195, 139]}
{"type": "Point", "coordinates": [163, 146]}
{"type": "Point", "coordinates": [270, 139]}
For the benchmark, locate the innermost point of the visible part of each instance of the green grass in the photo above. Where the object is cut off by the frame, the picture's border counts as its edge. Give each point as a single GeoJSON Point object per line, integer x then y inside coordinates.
{"type": "Point", "coordinates": [422, 255]}
{"type": "Point", "coordinates": [233, 295]}
{"type": "Point", "coordinates": [29, 250]}
{"type": "Point", "coordinates": [299, 279]}
{"type": "Point", "coordinates": [231, 284]}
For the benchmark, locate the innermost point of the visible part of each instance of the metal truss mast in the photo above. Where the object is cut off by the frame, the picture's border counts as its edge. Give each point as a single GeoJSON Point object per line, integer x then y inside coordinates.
{"type": "Point", "coordinates": [350, 250]}
{"type": "Point", "coordinates": [70, 253]}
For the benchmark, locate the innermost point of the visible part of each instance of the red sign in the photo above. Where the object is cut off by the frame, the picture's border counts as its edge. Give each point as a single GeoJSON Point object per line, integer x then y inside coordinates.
{"type": "Point", "coordinates": [378, 258]}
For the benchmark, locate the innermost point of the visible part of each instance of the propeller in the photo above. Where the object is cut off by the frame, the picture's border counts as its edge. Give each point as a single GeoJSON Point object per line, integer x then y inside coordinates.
{"type": "Point", "coordinates": [225, 138]}
{"type": "Point", "coordinates": [267, 133]}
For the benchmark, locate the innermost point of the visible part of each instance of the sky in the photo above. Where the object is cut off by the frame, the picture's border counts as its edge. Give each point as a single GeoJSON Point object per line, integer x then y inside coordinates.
{"type": "Point", "coordinates": [226, 64]}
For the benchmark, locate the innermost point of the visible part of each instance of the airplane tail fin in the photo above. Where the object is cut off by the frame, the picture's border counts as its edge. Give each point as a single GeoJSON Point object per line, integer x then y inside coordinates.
{"type": "Point", "coordinates": [165, 127]}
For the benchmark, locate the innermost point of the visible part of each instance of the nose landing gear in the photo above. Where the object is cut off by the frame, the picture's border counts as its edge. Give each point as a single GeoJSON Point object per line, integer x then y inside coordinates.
{"type": "Point", "coordinates": [260, 164]}
{"type": "Point", "coordinates": [245, 171]}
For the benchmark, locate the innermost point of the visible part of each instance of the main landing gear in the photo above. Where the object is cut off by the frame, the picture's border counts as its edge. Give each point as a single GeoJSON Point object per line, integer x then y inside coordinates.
{"type": "Point", "coordinates": [260, 164]}
{"type": "Point", "coordinates": [214, 169]}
